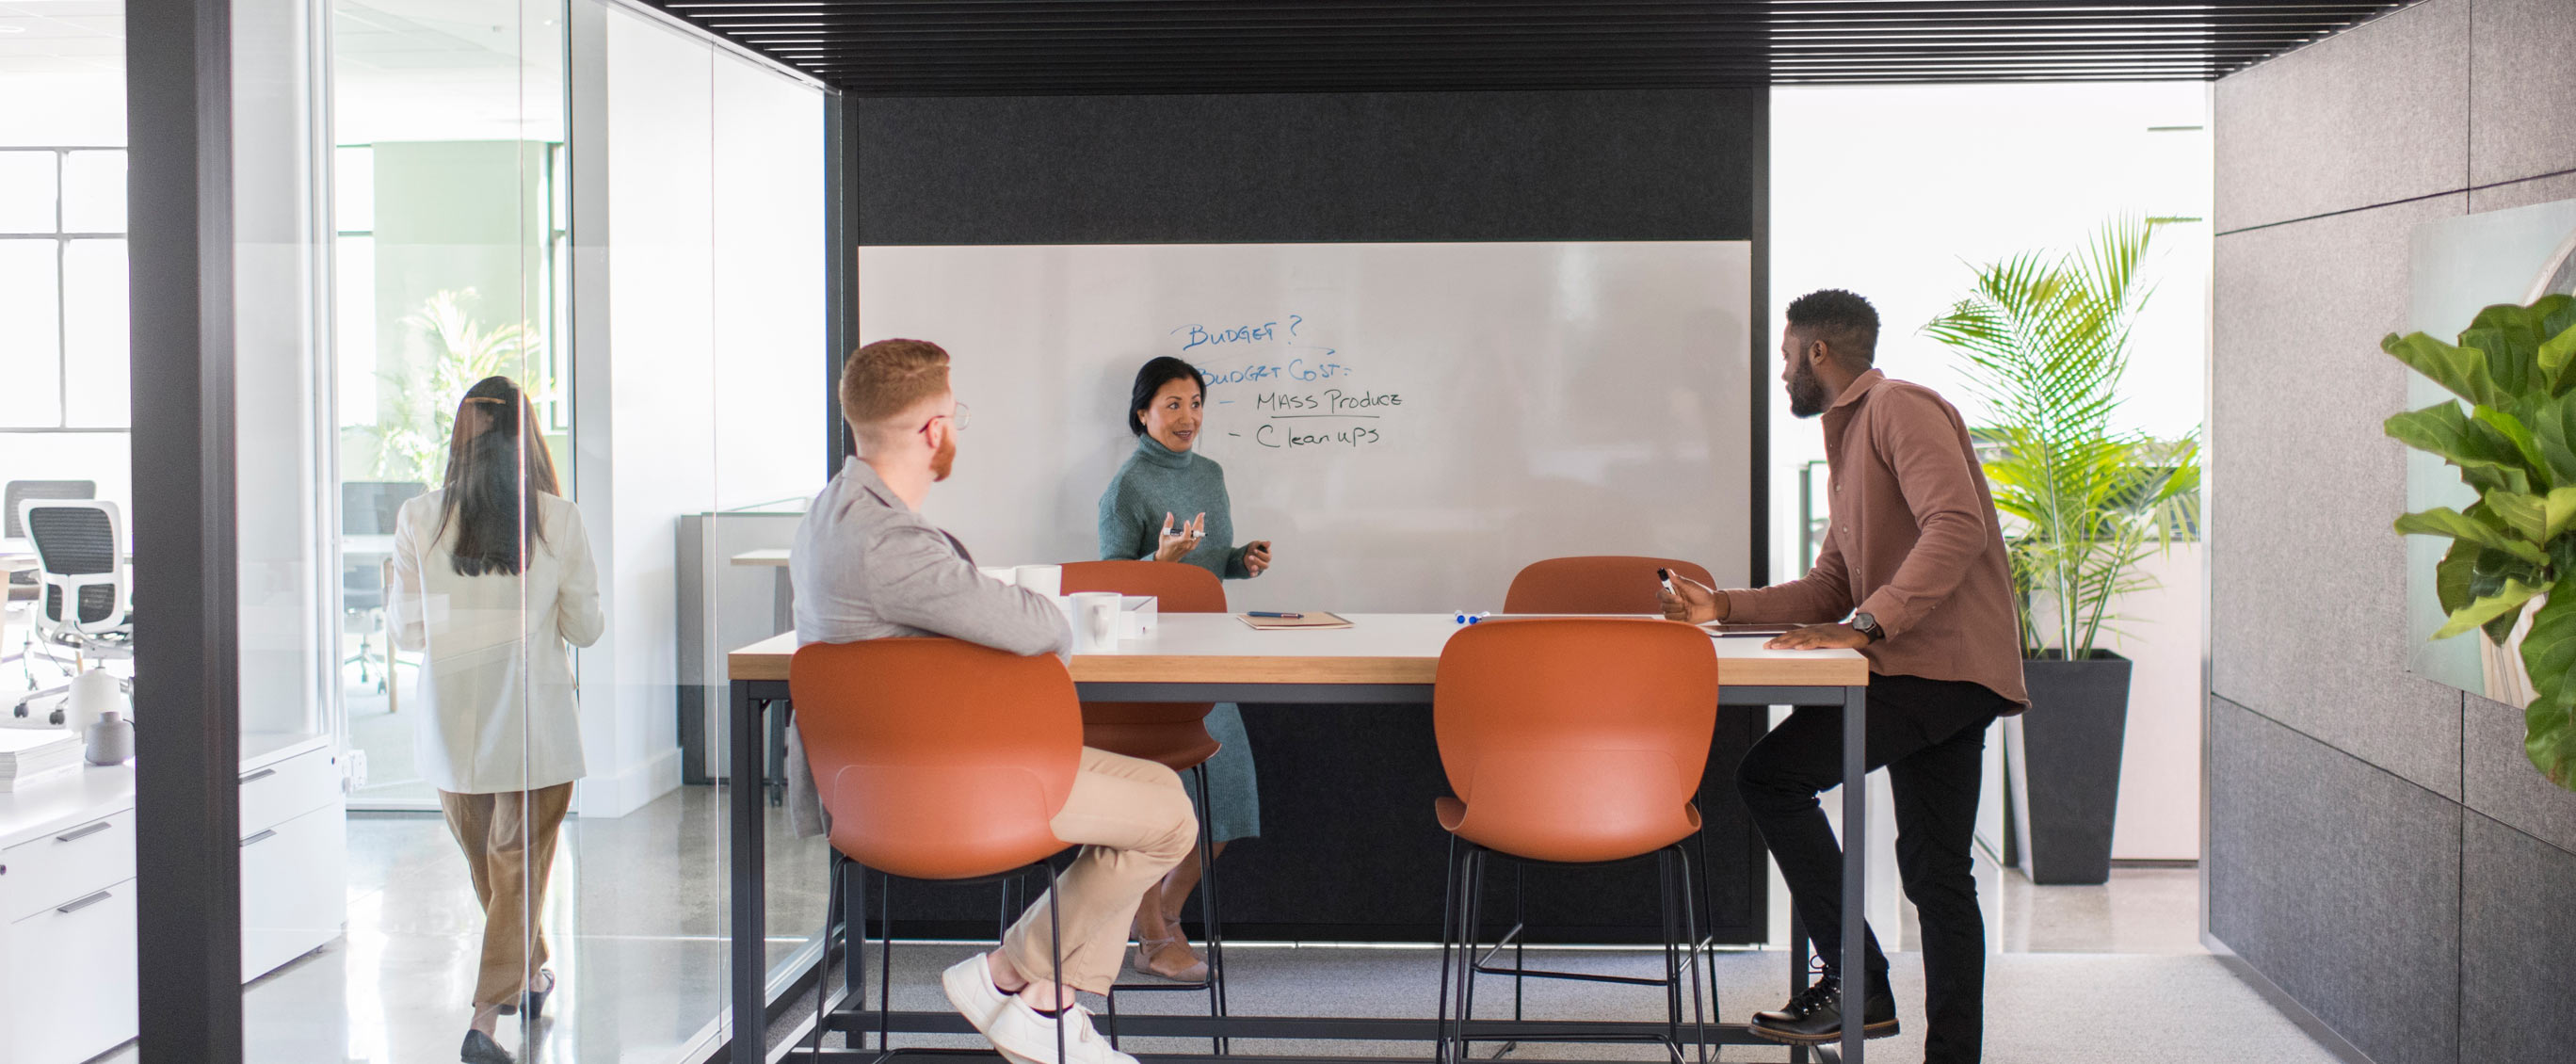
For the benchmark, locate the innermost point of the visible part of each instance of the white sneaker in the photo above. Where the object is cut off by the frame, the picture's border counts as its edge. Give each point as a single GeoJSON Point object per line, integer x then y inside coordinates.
{"type": "Point", "coordinates": [969, 984]}
{"type": "Point", "coordinates": [1025, 1037]}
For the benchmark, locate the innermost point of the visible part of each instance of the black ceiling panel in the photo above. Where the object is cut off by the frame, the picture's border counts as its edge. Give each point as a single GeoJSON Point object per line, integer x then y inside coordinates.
{"type": "Point", "coordinates": [1056, 47]}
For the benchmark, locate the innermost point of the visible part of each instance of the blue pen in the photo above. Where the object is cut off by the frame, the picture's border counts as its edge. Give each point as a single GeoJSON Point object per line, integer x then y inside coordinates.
{"type": "Point", "coordinates": [1284, 616]}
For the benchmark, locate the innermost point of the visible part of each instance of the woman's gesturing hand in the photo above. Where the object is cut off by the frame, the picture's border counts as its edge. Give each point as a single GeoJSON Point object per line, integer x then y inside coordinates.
{"type": "Point", "coordinates": [1178, 544]}
{"type": "Point", "coordinates": [1256, 556]}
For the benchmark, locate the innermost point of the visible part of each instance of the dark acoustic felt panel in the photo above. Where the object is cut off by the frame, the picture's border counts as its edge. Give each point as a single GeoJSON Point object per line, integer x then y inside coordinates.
{"type": "Point", "coordinates": [1296, 168]}
{"type": "Point", "coordinates": [1349, 850]}
{"type": "Point", "coordinates": [2341, 883]}
{"type": "Point", "coordinates": [2518, 933]}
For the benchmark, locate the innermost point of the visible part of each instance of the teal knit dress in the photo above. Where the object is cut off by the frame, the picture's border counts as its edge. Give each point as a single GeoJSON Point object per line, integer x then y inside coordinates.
{"type": "Point", "coordinates": [1155, 481]}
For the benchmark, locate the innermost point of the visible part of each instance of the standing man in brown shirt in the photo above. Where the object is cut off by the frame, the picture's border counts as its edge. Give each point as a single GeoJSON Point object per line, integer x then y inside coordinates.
{"type": "Point", "coordinates": [1915, 560]}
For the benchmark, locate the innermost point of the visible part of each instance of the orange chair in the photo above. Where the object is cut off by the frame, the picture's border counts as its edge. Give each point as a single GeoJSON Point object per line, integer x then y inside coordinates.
{"type": "Point", "coordinates": [1574, 741]}
{"type": "Point", "coordinates": [1173, 734]}
{"type": "Point", "coordinates": [938, 760]}
{"type": "Point", "coordinates": [1609, 583]}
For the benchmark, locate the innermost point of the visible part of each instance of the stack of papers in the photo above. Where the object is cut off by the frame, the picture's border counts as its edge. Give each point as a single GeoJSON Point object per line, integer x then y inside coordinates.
{"type": "Point", "coordinates": [34, 754]}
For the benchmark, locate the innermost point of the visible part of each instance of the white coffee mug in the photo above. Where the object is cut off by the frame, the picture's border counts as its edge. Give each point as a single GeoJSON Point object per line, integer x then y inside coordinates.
{"type": "Point", "coordinates": [1095, 620]}
{"type": "Point", "coordinates": [1043, 579]}
{"type": "Point", "coordinates": [1008, 576]}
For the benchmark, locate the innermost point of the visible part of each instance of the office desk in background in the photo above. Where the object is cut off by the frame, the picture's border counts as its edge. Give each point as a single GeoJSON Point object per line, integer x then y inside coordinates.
{"type": "Point", "coordinates": [1382, 659]}
{"type": "Point", "coordinates": [784, 599]}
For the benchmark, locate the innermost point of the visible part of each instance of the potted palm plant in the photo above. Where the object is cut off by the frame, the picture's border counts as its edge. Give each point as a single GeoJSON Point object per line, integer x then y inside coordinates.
{"type": "Point", "coordinates": [2045, 338]}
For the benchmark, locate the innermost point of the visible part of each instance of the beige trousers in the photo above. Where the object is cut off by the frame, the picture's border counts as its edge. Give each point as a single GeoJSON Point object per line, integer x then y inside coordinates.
{"type": "Point", "coordinates": [509, 843]}
{"type": "Point", "coordinates": [1133, 822]}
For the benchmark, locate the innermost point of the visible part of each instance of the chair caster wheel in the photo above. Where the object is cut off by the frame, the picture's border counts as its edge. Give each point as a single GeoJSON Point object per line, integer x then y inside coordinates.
{"type": "Point", "coordinates": [56, 719]}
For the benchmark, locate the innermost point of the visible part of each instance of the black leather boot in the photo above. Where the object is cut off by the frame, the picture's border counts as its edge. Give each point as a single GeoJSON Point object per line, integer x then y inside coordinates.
{"type": "Point", "coordinates": [1815, 1016]}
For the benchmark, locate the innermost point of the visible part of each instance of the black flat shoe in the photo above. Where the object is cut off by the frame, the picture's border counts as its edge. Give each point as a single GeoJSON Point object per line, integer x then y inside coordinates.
{"type": "Point", "coordinates": [481, 1049]}
{"type": "Point", "coordinates": [1815, 1016]}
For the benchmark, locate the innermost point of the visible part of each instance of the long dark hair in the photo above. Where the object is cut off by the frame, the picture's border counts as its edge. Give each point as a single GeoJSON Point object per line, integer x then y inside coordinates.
{"type": "Point", "coordinates": [1151, 379]}
{"type": "Point", "coordinates": [496, 465]}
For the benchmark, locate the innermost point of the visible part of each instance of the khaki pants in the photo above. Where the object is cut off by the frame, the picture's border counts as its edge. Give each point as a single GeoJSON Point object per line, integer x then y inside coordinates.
{"type": "Point", "coordinates": [1133, 822]}
{"type": "Point", "coordinates": [509, 843]}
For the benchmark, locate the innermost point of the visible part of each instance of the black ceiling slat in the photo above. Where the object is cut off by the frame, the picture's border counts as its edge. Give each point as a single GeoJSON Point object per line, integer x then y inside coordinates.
{"type": "Point", "coordinates": [1038, 47]}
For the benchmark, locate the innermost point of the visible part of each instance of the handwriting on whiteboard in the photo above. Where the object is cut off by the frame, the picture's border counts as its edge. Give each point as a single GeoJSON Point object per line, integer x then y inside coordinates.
{"type": "Point", "coordinates": [1280, 356]}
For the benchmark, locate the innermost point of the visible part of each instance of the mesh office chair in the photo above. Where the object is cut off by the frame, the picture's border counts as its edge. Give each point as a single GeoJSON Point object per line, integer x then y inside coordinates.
{"type": "Point", "coordinates": [22, 583]}
{"type": "Point", "coordinates": [370, 508]}
{"type": "Point", "coordinates": [84, 593]}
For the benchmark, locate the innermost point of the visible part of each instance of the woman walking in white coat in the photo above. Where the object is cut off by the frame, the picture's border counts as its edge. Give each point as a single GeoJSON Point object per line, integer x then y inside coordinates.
{"type": "Point", "coordinates": [492, 579]}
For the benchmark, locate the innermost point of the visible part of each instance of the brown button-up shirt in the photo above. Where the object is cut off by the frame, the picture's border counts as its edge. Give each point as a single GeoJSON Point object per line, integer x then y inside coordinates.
{"type": "Point", "coordinates": [1914, 543]}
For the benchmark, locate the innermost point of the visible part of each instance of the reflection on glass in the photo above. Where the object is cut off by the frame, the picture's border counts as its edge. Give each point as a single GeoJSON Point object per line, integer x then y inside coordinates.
{"type": "Point", "coordinates": [94, 192]}
{"type": "Point", "coordinates": [30, 334]}
{"type": "Point", "coordinates": [27, 191]}
{"type": "Point", "coordinates": [95, 366]}
{"type": "Point", "coordinates": [493, 583]}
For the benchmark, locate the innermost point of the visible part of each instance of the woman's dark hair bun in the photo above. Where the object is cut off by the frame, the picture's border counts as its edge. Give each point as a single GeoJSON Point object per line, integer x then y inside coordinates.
{"type": "Point", "coordinates": [1151, 379]}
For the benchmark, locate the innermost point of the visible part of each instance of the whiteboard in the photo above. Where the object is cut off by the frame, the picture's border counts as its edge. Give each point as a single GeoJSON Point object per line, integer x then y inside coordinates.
{"type": "Point", "coordinates": [1409, 424]}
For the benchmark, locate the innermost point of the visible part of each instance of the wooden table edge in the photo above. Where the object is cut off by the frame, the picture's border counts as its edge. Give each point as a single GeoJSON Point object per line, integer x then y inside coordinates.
{"type": "Point", "coordinates": [1206, 669]}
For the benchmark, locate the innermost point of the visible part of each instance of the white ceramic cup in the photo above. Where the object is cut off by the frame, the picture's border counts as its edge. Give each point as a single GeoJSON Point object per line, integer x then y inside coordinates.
{"type": "Point", "coordinates": [1008, 576]}
{"type": "Point", "coordinates": [1095, 620]}
{"type": "Point", "coordinates": [1043, 579]}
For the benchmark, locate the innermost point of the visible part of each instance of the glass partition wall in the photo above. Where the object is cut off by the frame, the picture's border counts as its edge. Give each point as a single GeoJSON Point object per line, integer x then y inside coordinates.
{"type": "Point", "coordinates": [527, 304]}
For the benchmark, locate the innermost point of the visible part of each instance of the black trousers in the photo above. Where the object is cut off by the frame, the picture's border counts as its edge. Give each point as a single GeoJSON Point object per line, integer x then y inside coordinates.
{"type": "Point", "coordinates": [1930, 736]}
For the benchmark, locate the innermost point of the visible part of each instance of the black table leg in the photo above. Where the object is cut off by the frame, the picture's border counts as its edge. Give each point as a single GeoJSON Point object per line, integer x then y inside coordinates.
{"type": "Point", "coordinates": [1855, 972]}
{"type": "Point", "coordinates": [750, 907]}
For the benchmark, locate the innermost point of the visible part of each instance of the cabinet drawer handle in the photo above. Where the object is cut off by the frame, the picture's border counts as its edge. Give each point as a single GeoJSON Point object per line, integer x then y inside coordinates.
{"type": "Point", "coordinates": [260, 838]}
{"type": "Point", "coordinates": [82, 904]}
{"type": "Point", "coordinates": [83, 832]}
{"type": "Point", "coordinates": [259, 775]}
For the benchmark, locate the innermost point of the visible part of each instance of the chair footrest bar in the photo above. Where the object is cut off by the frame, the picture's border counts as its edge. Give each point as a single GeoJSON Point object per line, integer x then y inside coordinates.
{"type": "Point", "coordinates": [1583, 977]}
{"type": "Point", "coordinates": [1323, 1028]}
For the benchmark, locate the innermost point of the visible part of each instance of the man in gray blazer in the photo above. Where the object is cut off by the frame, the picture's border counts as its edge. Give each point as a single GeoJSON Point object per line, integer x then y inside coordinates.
{"type": "Point", "coordinates": [867, 565]}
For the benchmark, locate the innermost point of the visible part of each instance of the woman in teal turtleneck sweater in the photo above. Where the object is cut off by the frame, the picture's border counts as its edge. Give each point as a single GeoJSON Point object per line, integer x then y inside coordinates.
{"type": "Point", "coordinates": [1141, 517]}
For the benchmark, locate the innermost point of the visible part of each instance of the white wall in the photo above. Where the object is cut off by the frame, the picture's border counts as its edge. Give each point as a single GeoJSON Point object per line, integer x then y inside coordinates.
{"type": "Point", "coordinates": [698, 346]}
{"type": "Point", "coordinates": [769, 294]}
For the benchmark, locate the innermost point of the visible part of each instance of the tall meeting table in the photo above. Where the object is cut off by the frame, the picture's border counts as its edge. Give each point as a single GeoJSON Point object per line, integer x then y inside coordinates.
{"type": "Point", "coordinates": [1382, 659]}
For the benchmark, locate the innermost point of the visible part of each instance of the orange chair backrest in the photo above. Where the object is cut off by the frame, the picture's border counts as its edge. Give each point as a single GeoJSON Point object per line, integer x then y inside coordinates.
{"type": "Point", "coordinates": [1607, 583]}
{"type": "Point", "coordinates": [1576, 739]}
{"type": "Point", "coordinates": [1166, 732]}
{"type": "Point", "coordinates": [1182, 587]}
{"type": "Point", "coordinates": [937, 758]}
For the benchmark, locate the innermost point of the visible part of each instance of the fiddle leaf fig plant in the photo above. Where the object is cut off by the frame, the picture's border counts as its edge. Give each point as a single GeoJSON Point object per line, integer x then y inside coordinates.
{"type": "Point", "coordinates": [2514, 443]}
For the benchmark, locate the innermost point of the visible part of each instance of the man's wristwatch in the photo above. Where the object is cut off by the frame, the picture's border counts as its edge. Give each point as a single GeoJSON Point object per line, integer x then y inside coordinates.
{"type": "Point", "coordinates": [1867, 625]}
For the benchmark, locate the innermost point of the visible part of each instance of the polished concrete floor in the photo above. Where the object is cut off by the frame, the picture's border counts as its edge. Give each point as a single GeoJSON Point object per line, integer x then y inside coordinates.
{"type": "Point", "coordinates": [2059, 1008]}
{"type": "Point", "coordinates": [636, 918]}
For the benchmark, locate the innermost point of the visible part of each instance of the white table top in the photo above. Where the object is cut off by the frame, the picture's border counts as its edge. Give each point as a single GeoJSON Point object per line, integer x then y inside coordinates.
{"type": "Point", "coordinates": [769, 556]}
{"type": "Point", "coordinates": [40, 807]}
{"type": "Point", "coordinates": [1378, 648]}
{"type": "Point", "coordinates": [370, 544]}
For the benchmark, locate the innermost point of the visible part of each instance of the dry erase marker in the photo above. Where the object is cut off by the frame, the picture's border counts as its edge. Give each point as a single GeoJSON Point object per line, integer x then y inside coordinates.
{"type": "Point", "coordinates": [1282, 616]}
{"type": "Point", "coordinates": [1665, 575]}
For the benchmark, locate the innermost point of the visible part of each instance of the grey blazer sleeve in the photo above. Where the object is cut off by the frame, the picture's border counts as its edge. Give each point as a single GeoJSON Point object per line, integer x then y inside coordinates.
{"type": "Point", "coordinates": [921, 582]}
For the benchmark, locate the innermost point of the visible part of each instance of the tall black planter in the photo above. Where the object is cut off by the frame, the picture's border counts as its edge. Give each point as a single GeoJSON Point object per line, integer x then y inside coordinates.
{"type": "Point", "coordinates": [2066, 766]}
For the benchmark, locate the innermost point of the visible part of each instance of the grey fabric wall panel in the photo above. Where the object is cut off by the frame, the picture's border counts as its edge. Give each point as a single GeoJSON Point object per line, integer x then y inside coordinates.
{"type": "Point", "coordinates": [2340, 882]}
{"type": "Point", "coordinates": [2369, 116]}
{"type": "Point", "coordinates": [2518, 947]}
{"type": "Point", "coordinates": [1646, 165]}
{"type": "Point", "coordinates": [2523, 193]}
{"type": "Point", "coordinates": [2307, 581]}
{"type": "Point", "coordinates": [2501, 783]}
{"type": "Point", "coordinates": [2522, 90]}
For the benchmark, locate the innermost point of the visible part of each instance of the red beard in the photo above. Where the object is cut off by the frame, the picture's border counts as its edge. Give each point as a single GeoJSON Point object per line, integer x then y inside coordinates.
{"type": "Point", "coordinates": [944, 461]}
